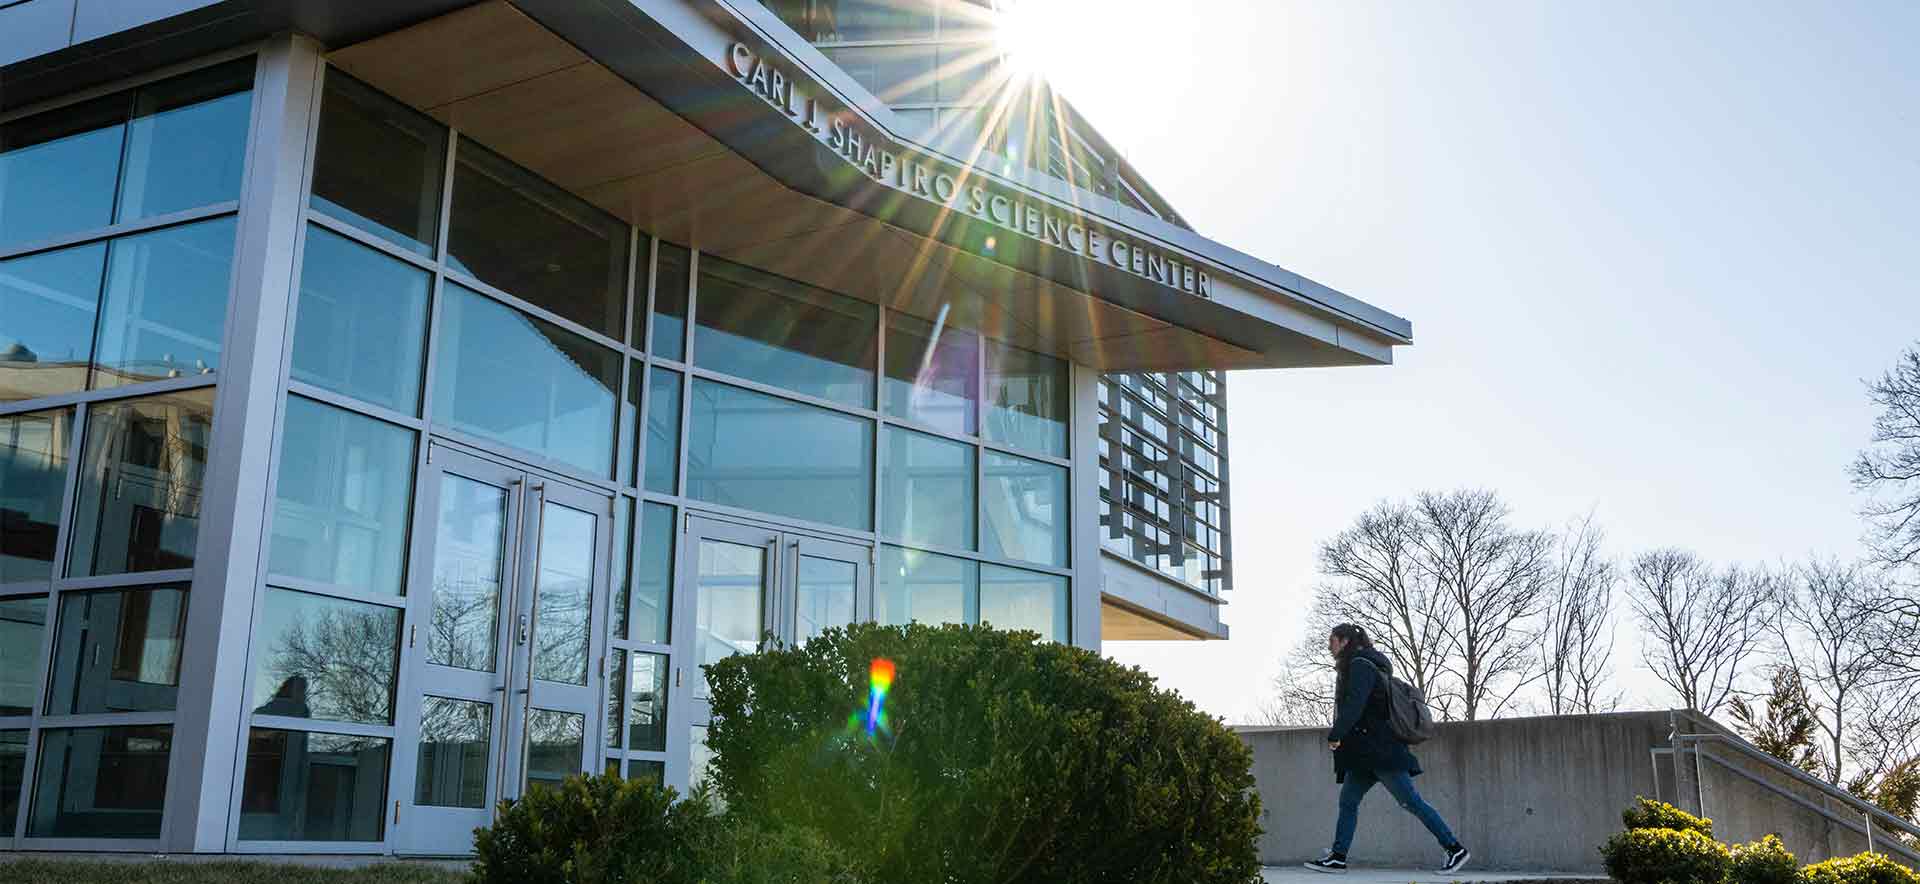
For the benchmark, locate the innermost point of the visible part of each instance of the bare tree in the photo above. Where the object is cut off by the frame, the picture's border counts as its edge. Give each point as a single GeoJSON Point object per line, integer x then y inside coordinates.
{"type": "Point", "coordinates": [1829, 633]}
{"type": "Point", "coordinates": [1301, 698]}
{"type": "Point", "coordinates": [1698, 626]}
{"type": "Point", "coordinates": [1493, 580]}
{"type": "Point", "coordinates": [1577, 636]}
{"type": "Point", "coordinates": [1888, 470]}
{"type": "Point", "coordinates": [1375, 578]}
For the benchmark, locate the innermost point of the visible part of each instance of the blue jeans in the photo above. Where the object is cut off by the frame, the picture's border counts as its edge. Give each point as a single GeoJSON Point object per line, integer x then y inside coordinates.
{"type": "Point", "coordinates": [1400, 785]}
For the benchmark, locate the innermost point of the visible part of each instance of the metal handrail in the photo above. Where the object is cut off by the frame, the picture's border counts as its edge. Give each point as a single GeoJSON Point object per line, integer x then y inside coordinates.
{"type": "Point", "coordinates": [1802, 776]}
{"type": "Point", "coordinates": [1826, 812]}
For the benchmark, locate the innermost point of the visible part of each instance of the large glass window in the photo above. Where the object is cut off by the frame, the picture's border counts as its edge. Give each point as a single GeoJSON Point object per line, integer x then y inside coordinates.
{"type": "Point", "coordinates": [620, 579]}
{"type": "Point", "coordinates": [186, 145]}
{"type": "Point", "coordinates": [13, 773]}
{"type": "Point", "coordinates": [836, 20]}
{"type": "Point", "coordinates": [926, 490]}
{"type": "Point", "coordinates": [1023, 510]}
{"type": "Point", "coordinates": [58, 170]}
{"type": "Point", "coordinates": [101, 782]}
{"type": "Point", "coordinates": [165, 304]}
{"type": "Point", "coordinates": [647, 703]}
{"type": "Point", "coordinates": [117, 650]}
{"type": "Point", "coordinates": [47, 307]}
{"type": "Point", "coordinates": [662, 471]}
{"type": "Point", "coordinates": [138, 507]}
{"type": "Point", "coordinates": [825, 596]}
{"type": "Point", "coordinates": [1026, 400]}
{"type": "Point", "coordinates": [33, 473]}
{"type": "Point", "coordinates": [729, 603]}
{"type": "Point", "coordinates": [469, 567]}
{"type": "Point", "coordinates": [362, 322]}
{"type": "Point", "coordinates": [324, 658]}
{"type": "Point", "coordinates": [653, 574]}
{"type": "Point", "coordinates": [341, 501]}
{"type": "Point", "coordinates": [378, 165]}
{"type": "Point", "coordinates": [23, 620]}
{"type": "Point", "coordinates": [922, 587]}
{"type": "Point", "coordinates": [524, 236]}
{"type": "Point", "coordinates": [1011, 598]}
{"type": "Point", "coordinates": [933, 374]}
{"type": "Point", "coordinates": [555, 741]}
{"type": "Point", "coordinates": [302, 786]}
{"type": "Point", "coordinates": [775, 331]}
{"type": "Point", "coordinates": [821, 471]}
{"type": "Point", "coordinates": [510, 377]}
{"type": "Point", "coordinates": [670, 283]}
{"type": "Point", "coordinates": [895, 74]}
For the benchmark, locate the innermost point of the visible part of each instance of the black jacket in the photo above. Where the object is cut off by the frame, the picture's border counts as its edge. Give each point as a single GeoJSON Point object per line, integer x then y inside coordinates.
{"type": "Point", "coordinates": [1362, 722]}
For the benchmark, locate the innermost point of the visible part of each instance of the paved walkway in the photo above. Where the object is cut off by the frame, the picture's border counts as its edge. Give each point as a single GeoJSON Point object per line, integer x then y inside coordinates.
{"type": "Point", "coordinates": [1298, 875]}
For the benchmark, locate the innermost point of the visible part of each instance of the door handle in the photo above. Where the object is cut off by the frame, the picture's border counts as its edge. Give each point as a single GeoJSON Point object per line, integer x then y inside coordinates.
{"type": "Point", "coordinates": [523, 630]}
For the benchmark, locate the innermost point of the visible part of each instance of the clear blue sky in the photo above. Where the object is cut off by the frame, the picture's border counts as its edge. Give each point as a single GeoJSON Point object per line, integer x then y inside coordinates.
{"type": "Point", "coordinates": [1650, 251]}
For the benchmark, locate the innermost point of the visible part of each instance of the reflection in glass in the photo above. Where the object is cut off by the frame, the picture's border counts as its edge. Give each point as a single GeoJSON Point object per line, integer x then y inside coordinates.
{"type": "Point", "coordinates": [33, 473]}
{"type": "Point", "coordinates": [825, 596]}
{"type": "Point", "coordinates": [302, 786]}
{"type": "Point", "coordinates": [1011, 598]}
{"type": "Point", "coordinates": [58, 170]}
{"type": "Point", "coordinates": [378, 164]}
{"type": "Point", "coordinates": [563, 594]}
{"type": "Point", "coordinates": [894, 74]}
{"type": "Point", "coordinates": [100, 782]}
{"type": "Point", "coordinates": [187, 144]}
{"type": "Point", "coordinates": [509, 377]}
{"type": "Point", "coordinates": [514, 231]}
{"type": "Point", "coordinates": [616, 697]}
{"type": "Point", "coordinates": [775, 331]}
{"type": "Point", "coordinates": [647, 705]}
{"type": "Point", "coordinates": [165, 305]}
{"type": "Point", "coordinates": [653, 574]}
{"type": "Point", "coordinates": [341, 501]}
{"type": "Point", "coordinates": [555, 741]}
{"type": "Point", "coordinates": [618, 580]}
{"type": "Point", "coordinates": [1023, 508]}
{"type": "Point", "coordinates": [362, 323]}
{"type": "Point", "coordinates": [456, 748]}
{"type": "Point", "coordinates": [922, 587]}
{"type": "Point", "coordinates": [325, 658]}
{"type": "Point", "coordinates": [23, 620]}
{"type": "Point", "coordinates": [1026, 400]}
{"type": "Point", "coordinates": [670, 302]}
{"type": "Point", "coordinates": [638, 769]}
{"type": "Point", "coordinates": [13, 772]}
{"type": "Point", "coordinates": [141, 470]}
{"type": "Point", "coordinates": [821, 470]}
{"type": "Point", "coordinates": [663, 430]}
{"type": "Point", "coordinates": [926, 490]}
{"type": "Point", "coordinates": [932, 373]}
{"type": "Point", "coordinates": [729, 592]}
{"type": "Point", "coordinates": [117, 650]}
{"type": "Point", "coordinates": [469, 563]}
{"type": "Point", "coordinates": [47, 305]}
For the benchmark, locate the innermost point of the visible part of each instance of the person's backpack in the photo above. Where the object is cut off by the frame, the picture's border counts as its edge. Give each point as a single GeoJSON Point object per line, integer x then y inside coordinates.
{"type": "Point", "coordinates": [1408, 713]}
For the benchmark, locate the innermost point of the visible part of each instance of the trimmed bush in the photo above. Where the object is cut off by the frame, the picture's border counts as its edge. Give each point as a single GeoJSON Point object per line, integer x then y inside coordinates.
{"type": "Point", "coordinates": [1766, 861]}
{"type": "Point", "coordinates": [1647, 813]}
{"type": "Point", "coordinates": [1665, 856]}
{"type": "Point", "coordinates": [1866, 868]}
{"type": "Point", "coordinates": [594, 829]}
{"type": "Point", "coordinates": [1004, 759]}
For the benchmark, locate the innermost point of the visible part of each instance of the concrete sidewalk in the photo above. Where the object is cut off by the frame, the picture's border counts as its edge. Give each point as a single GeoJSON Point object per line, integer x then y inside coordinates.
{"type": "Point", "coordinates": [1299, 875]}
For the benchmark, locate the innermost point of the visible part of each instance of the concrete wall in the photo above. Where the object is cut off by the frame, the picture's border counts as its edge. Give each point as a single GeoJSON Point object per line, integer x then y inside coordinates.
{"type": "Point", "coordinates": [1542, 794]}
{"type": "Point", "coordinates": [1538, 794]}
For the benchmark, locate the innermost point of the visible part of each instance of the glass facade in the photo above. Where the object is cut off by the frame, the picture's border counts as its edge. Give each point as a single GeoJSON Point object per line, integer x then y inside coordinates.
{"type": "Point", "coordinates": [1163, 475]}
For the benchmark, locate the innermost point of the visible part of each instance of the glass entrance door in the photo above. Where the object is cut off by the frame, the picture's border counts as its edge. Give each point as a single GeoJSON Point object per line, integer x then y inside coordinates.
{"type": "Point", "coordinates": [502, 643]}
{"type": "Point", "coordinates": [739, 582]}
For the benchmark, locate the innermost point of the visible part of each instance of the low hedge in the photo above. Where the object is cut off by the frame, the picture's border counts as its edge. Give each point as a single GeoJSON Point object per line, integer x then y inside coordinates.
{"type": "Point", "coordinates": [1766, 861]}
{"type": "Point", "coordinates": [1647, 813]}
{"type": "Point", "coordinates": [1665, 856]}
{"type": "Point", "coordinates": [1866, 868]}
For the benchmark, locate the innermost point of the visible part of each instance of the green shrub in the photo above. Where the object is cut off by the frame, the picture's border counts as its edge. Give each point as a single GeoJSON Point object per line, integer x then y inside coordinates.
{"type": "Point", "coordinates": [1008, 760]}
{"type": "Point", "coordinates": [594, 829]}
{"type": "Point", "coordinates": [1647, 813]}
{"type": "Point", "coordinates": [1766, 861]}
{"type": "Point", "coordinates": [1866, 868]}
{"type": "Point", "coordinates": [1665, 856]}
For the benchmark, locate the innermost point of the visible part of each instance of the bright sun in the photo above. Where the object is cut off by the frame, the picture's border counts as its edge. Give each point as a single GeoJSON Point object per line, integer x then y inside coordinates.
{"type": "Point", "coordinates": [1029, 34]}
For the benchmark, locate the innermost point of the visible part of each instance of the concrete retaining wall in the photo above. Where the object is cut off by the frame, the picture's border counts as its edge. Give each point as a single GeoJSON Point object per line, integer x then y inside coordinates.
{"type": "Point", "coordinates": [1539, 794]}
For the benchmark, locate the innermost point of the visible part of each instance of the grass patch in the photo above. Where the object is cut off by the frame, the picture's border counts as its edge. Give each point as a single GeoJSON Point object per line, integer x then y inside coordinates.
{"type": "Point", "coordinates": [161, 871]}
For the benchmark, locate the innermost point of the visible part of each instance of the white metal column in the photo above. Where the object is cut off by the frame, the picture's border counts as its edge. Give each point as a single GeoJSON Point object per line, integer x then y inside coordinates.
{"type": "Point", "coordinates": [228, 557]}
{"type": "Point", "coordinates": [1083, 513]}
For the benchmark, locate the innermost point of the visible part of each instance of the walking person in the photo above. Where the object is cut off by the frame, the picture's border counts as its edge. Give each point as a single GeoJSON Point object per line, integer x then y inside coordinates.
{"type": "Point", "coordinates": [1365, 750]}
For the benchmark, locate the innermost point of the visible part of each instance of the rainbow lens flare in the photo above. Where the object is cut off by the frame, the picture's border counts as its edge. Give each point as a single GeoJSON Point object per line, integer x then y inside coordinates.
{"type": "Point", "coordinates": [879, 682]}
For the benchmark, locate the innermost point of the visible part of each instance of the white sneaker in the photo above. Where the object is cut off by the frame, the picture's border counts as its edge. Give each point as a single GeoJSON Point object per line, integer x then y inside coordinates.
{"type": "Point", "coordinates": [1329, 865]}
